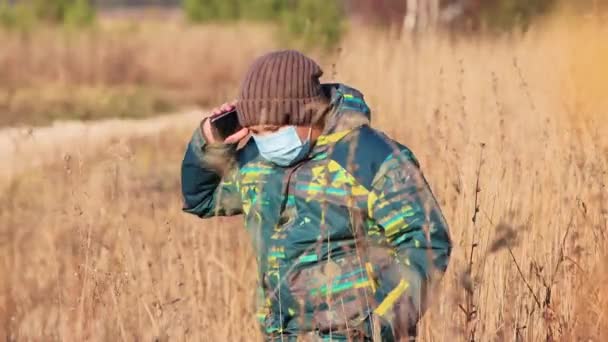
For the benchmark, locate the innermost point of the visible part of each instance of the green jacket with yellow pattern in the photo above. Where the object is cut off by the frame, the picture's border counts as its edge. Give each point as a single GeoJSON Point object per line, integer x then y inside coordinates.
{"type": "Point", "coordinates": [351, 233]}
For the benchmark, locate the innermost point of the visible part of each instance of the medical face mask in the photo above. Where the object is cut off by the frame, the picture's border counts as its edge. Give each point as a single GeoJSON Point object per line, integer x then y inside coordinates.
{"type": "Point", "coordinates": [283, 147]}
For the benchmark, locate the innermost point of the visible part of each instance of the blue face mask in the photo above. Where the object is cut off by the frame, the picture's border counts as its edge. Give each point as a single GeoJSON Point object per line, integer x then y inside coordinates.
{"type": "Point", "coordinates": [283, 147]}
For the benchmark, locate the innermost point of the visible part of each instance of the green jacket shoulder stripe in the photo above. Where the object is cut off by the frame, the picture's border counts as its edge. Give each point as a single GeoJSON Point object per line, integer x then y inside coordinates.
{"type": "Point", "coordinates": [363, 152]}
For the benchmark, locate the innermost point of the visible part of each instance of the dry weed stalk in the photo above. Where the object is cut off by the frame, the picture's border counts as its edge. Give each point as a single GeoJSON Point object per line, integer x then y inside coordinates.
{"type": "Point", "coordinates": [98, 241]}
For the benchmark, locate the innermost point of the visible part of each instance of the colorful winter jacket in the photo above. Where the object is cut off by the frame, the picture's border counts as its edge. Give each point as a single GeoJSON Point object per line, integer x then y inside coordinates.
{"type": "Point", "coordinates": [351, 233]}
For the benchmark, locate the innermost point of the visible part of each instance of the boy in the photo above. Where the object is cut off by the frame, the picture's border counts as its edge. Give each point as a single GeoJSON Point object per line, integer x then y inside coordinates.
{"type": "Point", "coordinates": [348, 235]}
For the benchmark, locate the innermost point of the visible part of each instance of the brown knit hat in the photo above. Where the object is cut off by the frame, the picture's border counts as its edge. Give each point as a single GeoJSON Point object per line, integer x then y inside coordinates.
{"type": "Point", "coordinates": [280, 88]}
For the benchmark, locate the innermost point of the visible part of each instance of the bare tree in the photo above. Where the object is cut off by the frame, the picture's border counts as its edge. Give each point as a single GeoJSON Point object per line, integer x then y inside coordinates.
{"type": "Point", "coordinates": [463, 13]}
{"type": "Point", "coordinates": [410, 21]}
{"type": "Point", "coordinates": [421, 15]}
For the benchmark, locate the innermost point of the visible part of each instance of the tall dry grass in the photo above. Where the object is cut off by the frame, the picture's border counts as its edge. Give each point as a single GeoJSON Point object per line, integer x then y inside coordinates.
{"type": "Point", "coordinates": [511, 133]}
{"type": "Point", "coordinates": [121, 68]}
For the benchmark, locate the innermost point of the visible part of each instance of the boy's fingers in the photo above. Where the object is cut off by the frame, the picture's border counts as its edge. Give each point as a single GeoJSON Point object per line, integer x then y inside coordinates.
{"type": "Point", "coordinates": [226, 107]}
{"type": "Point", "coordinates": [236, 137]}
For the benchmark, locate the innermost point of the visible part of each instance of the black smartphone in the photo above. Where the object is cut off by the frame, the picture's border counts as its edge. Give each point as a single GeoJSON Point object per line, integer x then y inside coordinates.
{"type": "Point", "coordinates": [226, 124]}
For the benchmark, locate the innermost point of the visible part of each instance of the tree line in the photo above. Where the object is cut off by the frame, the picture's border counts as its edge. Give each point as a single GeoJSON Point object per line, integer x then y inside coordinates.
{"type": "Point", "coordinates": [303, 19]}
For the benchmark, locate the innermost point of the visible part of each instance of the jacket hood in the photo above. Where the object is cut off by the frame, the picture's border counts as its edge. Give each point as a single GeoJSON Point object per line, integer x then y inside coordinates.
{"type": "Point", "coordinates": [347, 109]}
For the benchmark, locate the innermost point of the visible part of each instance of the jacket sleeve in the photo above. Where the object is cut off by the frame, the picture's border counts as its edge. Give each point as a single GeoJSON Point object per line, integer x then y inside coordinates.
{"type": "Point", "coordinates": [410, 221]}
{"type": "Point", "coordinates": [205, 193]}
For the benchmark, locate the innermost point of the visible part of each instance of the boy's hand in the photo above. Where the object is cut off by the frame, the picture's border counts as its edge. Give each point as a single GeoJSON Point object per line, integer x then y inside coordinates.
{"type": "Point", "coordinates": [208, 131]}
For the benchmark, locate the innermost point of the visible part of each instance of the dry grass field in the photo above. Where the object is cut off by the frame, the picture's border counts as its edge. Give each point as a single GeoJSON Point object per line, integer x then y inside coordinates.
{"type": "Point", "coordinates": [121, 68]}
{"type": "Point", "coordinates": [511, 132]}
